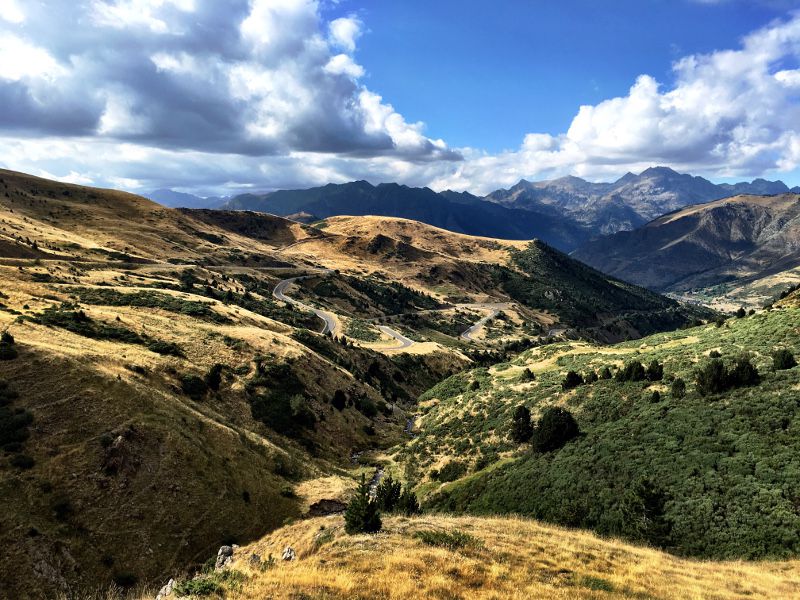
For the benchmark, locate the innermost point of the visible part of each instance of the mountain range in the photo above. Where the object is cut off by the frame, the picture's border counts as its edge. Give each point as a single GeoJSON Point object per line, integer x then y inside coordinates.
{"type": "Point", "coordinates": [458, 212]}
{"type": "Point", "coordinates": [743, 238]}
{"type": "Point", "coordinates": [563, 212]}
{"type": "Point", "coordinates": [627, 203]}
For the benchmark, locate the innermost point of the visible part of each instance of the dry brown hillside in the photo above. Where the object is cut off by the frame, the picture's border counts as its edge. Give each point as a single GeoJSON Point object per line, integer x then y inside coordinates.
{"type": "Point", "coordinates": [470, 558]}
{"type": "Point", "coordinates": [160, 401]}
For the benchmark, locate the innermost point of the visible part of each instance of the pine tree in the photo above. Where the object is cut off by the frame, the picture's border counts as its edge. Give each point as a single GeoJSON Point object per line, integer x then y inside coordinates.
{"type": "Point", "coordinates": [408, 503]}
{"type": "Point", "coordinates": [388, 494]}
{"type": "Point", "coordinates": [521, 427]}
{"type": "Point", "coordinates": [362, 515]}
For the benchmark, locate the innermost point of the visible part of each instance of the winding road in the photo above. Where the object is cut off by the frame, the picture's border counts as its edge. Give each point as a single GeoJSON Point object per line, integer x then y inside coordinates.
{"type": "Point", "coordinates": [404, 341]}
{"type": "Point", "coordinates": [331, 324]}
{"type": "Point", "coordinates": [328, 318]}
{"type": "Point", "coordinates": [476, 327]}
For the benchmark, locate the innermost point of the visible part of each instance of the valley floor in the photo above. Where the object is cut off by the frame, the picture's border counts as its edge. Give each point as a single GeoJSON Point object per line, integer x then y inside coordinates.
{"type": "Point", "coordinates": [483, 558]}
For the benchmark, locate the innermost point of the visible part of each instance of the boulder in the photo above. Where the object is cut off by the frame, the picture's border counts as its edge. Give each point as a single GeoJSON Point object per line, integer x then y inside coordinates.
{"type": "Point", "coordinates": [166, 590]}
{"type": "Point", "coordinates": [289, 554]}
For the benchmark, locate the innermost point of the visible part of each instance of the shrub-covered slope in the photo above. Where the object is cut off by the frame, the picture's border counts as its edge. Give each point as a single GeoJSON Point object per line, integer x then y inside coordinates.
{"type": "Point", "coordinates": [714, 476]}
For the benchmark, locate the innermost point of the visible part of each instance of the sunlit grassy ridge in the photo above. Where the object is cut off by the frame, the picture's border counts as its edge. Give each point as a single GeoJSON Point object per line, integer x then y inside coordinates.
{"type": "Point", "coordinates": [719, 474]}
{"type": "Point", "coordinates": [465, 557]}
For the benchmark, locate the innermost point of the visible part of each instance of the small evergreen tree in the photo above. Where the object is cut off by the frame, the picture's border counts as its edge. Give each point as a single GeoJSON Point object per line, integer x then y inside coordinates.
{"type": "Point", "coordinates": [408, 503]}
{"type": "Point", "coordinates": [605, 373]}
{"type": "Point", "coordinates": [712, 378]}
{"type": "Point", "coordinates": [741, 313]}
{"type": "Point", "coordinates": [214, 377]}
{"type": "Point", "coordinates": [783, 359]}
{"type": "Point", "coordinates": [678, 388]}
{"type": "Point", "coordinates": [555, 428]}
{"type": "Point", "coordinates": [521, 427]}
{"type": "Point", "coordinates": [362, 514]}
{"type": "Point", "coordinates": [590, 377]}
{"type": "Point", "coordinates": [388, 494]}
{"type": "Point", "coordinates": [527, 375]}
{"type": "Point", "coordinates": [632, 371]}
{"type": "Point", "coordinates": [655, 371]}
{"type": "Point", "coordinates": [572, 380]}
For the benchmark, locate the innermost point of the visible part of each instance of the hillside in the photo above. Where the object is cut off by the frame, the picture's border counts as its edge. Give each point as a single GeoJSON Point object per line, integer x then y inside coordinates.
{"type": "Point", "coordinates": [629, 202]}
{"type": "Point", "coordinates": [705, 472]}
{"type": "Point", "coordinates": [735, 241]}
{"type": "Point", "coordinates": [156, 400]}
{"type": "Point", "coordinates": [461, 213]}
{"type": "Point", "coordinates": [490, 558]}
{"type": "Point", "coordinates": [164, 388]}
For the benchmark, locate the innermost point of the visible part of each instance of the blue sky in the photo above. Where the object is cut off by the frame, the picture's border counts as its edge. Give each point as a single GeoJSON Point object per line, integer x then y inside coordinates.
{"type": "Point", "coordinates": [215, 97]}
{"type": "Point", "coordinates": [483, 73]}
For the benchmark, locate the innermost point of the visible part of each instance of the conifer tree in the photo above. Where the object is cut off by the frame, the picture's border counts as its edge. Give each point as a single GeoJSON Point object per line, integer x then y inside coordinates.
{"type": "Point", "coordinates": [362, 514]}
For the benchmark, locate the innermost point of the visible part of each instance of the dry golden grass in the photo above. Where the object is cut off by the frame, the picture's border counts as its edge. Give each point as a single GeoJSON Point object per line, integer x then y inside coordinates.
{"type": "Point", "coordinates": [512, 558]}
{"type": "Point", "coordinates": [426, 237]}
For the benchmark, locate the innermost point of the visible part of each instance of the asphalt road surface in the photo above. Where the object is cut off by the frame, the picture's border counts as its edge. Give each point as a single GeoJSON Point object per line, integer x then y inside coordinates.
{"type": "Point", "coordinates": [280, 293]}
{"type": "Point", "coordinates": [404, 341]}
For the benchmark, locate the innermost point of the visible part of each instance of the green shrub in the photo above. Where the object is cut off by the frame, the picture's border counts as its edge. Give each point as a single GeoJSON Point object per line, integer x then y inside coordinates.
{"type": "Point", "coordinates": [8, 352]}
{"type": "Point", "coordinates": [193, 386]}
{"type": "Point", "coordinates": [521, 427]}
{"type": "Point", "coordinates": [362, 514]}
{"type": "Point", "coordinates": [165, 348]}
{"type": "Point", "coordinates": [555, 428]}
{"type": "Point", "coordinates": [213, 378]}
{"type": "Point", "coordinates": [571, 381]}
{"type": "Point", "coordinates": [783, 359]}
{"type": "Point", "coordinates": [387, 495]}
{"type": "Point", "coordinates": [339, 400]}
{"type": "Point", "coordinates": [408, 503]}
{"type": "Point", "coordinates": [7, 338]}
{"type": "Point", "coordinates": [678, 389]}
{"type": "Point", "coordinates": [452, 471]}
{"type": "Point", "coordinates": [715, 378]}
{"type": "Point", "coordinates": [590, 377]}
{"type": "Point", "coordinates": [605, 373]}
{"type": "Point", "coordinates": [655, 371]}
{"type": "Point", "coordinates": [632, 371]}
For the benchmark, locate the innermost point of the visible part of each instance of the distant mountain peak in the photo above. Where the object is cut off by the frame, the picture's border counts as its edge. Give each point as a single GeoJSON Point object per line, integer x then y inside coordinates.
{"type": "Point", "coordinates": [662, 171]}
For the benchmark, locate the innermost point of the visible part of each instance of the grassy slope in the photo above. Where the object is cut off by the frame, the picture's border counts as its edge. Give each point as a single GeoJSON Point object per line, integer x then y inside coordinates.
{"type": "Point", "coordinates": [189, 474]}
{"type": "Point", "coordinates": [726, 467]}
{"type": "Point", "coordinates": [506, 558]}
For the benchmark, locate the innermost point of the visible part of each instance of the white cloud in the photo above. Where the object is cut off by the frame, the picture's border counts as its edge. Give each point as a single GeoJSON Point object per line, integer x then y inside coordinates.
{"type": "Point", "coordinates": [342, 64]}
{"type": "Point", "coordinates": [255, 94]}
{"type": "Point", "coordinates": [11, 11]}
{"type": "Point", "coordinates": [22, 60]}
{"type": "Point", "coordinates": [344, 32]}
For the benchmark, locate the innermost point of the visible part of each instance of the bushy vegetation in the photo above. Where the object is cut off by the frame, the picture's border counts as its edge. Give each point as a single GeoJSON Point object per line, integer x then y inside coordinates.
{"type": "Point", "coordinates": [715, 377]}
{"type": "Point", "coordinates": [71, 318]}
{"type": "Point", "coordinates": [14, 426]}
{"type": "Point", "coordinates": [783, 359]}
{"type": "Point", "coordinates": [521, 426]}
{"type": "Point", "coordinates": [572, 380]}
{"type": "Point", "coordinates": [712, 476]}
{"type": "Point", "coordinates": [362, 514]}
{"type": "Point", "coordinates": [391, 497]}
{"type": "Point", "coordinates": [554, 428]}
{"type": "Point", "coordinates": [7, 349]}
{"type": "Point", "coordinates": [150, 299]}
{"type": "Point", "coordinates": [452, 540]}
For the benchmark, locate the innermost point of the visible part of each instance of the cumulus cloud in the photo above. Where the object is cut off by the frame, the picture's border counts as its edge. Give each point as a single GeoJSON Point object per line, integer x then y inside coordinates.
{"type": "Point", "coordinates": [258, 78]}
{"type": "Point", "coordinates": [261, 94]}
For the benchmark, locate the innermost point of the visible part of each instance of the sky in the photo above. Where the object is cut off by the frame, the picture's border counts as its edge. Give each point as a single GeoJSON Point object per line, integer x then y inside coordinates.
{"type": "Point", "coordinates": [214, 97]}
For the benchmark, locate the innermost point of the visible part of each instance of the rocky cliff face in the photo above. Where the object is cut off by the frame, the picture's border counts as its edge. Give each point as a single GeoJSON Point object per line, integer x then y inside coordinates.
{"type": "Point", "coordinates": [627, 203]}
